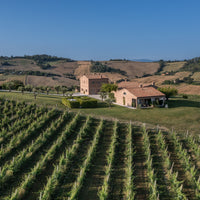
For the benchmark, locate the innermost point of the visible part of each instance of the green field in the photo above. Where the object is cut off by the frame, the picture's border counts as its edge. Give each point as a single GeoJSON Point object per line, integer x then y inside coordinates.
{"type": "Point", "coordinates": [182, 114]}
{"type": "Point", "coordinates": [49, 154]}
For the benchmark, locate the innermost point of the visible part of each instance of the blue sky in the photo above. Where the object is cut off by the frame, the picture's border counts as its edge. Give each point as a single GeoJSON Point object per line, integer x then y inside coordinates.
{"type": "Point", "coordinates": [101, 29]}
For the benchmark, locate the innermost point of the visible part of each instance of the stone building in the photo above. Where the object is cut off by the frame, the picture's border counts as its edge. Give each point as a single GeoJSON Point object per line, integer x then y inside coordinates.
{"type": "Point", "coordinates": [91, 83]}
{"type": "Point", "coordinates": [137, 95]}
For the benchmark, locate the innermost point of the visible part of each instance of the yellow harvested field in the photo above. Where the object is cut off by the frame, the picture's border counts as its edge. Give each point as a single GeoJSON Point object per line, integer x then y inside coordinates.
{"type": "Point", "coordinates": [181, 75]}
{"type": "Point", "coordinates": [113, 77]}
{"type": "Point", "coordinates": [49, 81]}
{"type": "Point", "coordinates": [159, 79]}
{"type": "Point", "coordinates": [173, 66]}
{"type": "Point", "coordinates": [83, 68]}
{"type": "Point", "coordinates": [134, 69]}
{"type": "Point", "coordinates": [189, 89]}
{"type": "Point", "coordinates": [196, 76]}
{"type": "Point", "coordinates": [4, 78]}
{"type": "Point", "coordinates": [59, 67]}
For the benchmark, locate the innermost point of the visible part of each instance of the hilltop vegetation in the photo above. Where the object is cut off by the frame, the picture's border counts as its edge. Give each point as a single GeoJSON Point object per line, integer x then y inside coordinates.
{"type": "Point", "coordinates": [192, 65]}
{"type": "Point", "coordinates": [102, 68]}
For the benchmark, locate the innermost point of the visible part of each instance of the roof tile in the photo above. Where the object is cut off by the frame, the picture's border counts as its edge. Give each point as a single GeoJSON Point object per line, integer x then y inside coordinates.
{"type": "Point", "coordinates": [145, 92]}
{"type": "Point", "coordinates": [95, 76]}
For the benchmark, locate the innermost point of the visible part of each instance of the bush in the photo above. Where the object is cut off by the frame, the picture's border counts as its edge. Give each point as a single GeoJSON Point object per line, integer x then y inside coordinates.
{"type": "Point", "coordinates": [71, 104]}
{"type": "Point", "coordinates": [92, 103]}
{"type": "Point", "coordinates": [169, 92]}
{"type": "Point", "coordinates": [77, 102]}
{"type": "Point", "coordinates": [5, 63]}
{"type": "Point", "coordinates": [12, 85]}
{"type": "Point", "coordinates": [185, 96]}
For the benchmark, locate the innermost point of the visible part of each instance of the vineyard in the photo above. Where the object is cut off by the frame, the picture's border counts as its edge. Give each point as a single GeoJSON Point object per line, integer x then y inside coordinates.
{"type": "Point", "coordinates": [48, 154]}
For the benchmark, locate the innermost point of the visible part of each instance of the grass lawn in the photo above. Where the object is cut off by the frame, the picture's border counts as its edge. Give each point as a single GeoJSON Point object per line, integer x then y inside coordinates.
{"type": "Point", "coordinates": [46, 100]}
{"type": "Point", "coordinates": [182, 114]}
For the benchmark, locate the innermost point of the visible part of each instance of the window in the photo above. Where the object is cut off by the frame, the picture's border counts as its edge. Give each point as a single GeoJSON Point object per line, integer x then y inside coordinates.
{"type": "Point", "coordinates": [124, 93]}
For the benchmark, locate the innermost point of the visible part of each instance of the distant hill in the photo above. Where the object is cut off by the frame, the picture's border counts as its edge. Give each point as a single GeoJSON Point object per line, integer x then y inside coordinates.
{"type": "Point", "coordinates": [192, 65]}
{"type": "Point", "coordinates": [144, 60]}
{"type": "Point", "coordinates": [51, 70]}
{"type": "Point", "coordinates": [45, 70]}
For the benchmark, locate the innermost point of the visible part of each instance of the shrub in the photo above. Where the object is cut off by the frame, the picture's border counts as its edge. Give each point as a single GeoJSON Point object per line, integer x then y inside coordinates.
{"type": "Point", "coordinates": [185, 96]}
{"type": "Point", "coordinates": [77, 102]}
{"type": "Point", "coordinates": [90, 103]}
{"type": "Point", "coordinates": [5, 63]}
{"type": "Point", "coordinates": [168, 91]}
{"type": "Point", "coordinates": [13, 85]}
{"type": "Point", "coordinates": [71, 104]}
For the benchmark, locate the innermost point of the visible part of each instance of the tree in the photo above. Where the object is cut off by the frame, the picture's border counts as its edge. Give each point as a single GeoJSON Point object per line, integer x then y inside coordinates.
{"type": "Point", "coordinates": [9, 86]}
{"type": "Point", "coordinates": [168, 91]}
{"type": "Point", "coordinates": [57, 88]}
{"type": "Point", "coordinates": [35, 92]}
{"type": "Point", "coordinates": [109, 101]}
{"type": "Point", "coordinates": [29, 88]}
{"type": "Point", "coordinates": [108, 87]}
{"type": "Point", "coordinates": [21, 88]}
{"type": "Point", "coordinates": [64, 90]}
{"type": "Point", "coordinates": [47, 90]}
{"type": "Point", "coordinates": [103, 95]}
{"type": "Point", "coordinates": [69, 94]}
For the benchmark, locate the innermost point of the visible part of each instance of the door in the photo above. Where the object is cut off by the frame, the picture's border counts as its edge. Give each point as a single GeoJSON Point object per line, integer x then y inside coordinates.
{"type": "Point", "coordinates": [134, 103]}
{"type": "Point", "coordinates": [124, 101]}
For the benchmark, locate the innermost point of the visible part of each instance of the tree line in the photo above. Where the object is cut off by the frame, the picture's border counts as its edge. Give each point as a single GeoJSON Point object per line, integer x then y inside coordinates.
{"type": "Point", "coordinates": [102, 68]}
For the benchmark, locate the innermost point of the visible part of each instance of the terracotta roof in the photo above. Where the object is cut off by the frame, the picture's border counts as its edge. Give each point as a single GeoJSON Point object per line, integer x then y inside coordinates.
{"type": "Point", "coordinates": [145, 92]}
{"type": "Point", "coordinates": [126, 84]}
{"type": "Point", "coordinates": [95, 76]}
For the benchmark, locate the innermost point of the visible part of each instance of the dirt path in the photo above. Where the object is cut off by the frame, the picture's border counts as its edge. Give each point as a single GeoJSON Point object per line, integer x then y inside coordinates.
{"type": "Point", "coordinates": [118, 172]}
{"type": "Point", "coordinates": [158, 168]}
{"type": "Point", "coordinates": [140, 180]}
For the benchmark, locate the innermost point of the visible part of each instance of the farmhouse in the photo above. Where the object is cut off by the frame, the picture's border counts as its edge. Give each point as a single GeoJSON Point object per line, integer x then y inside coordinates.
{"type": "Point", "coordinates": [135, 95]}
{"type": "Point", "coordinates": [91, 83]}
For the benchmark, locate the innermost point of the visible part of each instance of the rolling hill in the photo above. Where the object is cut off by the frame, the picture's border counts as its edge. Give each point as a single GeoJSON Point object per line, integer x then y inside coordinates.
{"type": "Point", "coordinates": [66, 73]}
{"type": "Point", "coordinates": [43, 70]}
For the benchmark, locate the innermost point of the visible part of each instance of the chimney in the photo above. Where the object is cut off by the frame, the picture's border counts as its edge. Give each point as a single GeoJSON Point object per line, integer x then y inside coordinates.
{"type": "Point", "coordinates": [153, 83]}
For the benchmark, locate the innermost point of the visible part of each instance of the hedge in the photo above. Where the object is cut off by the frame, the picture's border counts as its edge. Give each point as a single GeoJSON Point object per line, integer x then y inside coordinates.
{"type": "Point", "coordinates": [71, 104]}
{"type": "Point", "coordinates": [80, 102]}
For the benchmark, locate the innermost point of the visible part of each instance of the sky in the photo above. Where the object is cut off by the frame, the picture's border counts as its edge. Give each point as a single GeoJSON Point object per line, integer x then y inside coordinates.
{"type": "Point", "coordinates": [101, 29]}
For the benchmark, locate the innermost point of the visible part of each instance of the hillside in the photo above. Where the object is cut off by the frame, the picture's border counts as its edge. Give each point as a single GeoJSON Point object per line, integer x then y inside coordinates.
{"type": "Point", "coordinates": [44, 70]}
{"type": "Point", "coordinates": [62, 72]}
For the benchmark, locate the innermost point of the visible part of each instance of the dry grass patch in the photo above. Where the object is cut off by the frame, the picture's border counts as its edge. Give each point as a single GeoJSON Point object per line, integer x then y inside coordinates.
{"type": "Point", "coordinates": [188, 89]}
{"type": "Point", "coordinates": [83, 68]}
{"type": "Point", "coordinates": [159, 79]}
{"type": "Point", "coordinates": [134, 69]}
{"type": "Point", "coordinates": [49, 81]}
{"type": "Point", "coordinates": [173, 66]}
{"type": "Point", "coordinates": [4, 79]}
{"type": "Point", "coordinates": [196, 76]}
